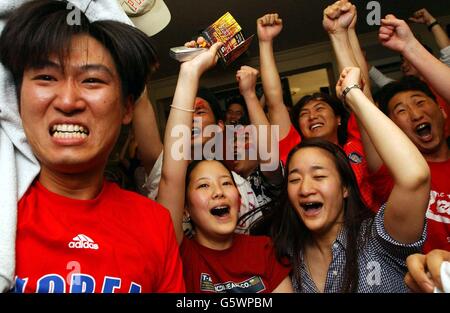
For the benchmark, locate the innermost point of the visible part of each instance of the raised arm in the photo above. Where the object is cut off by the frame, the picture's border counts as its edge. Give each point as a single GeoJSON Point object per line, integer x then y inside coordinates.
{"type": "Point", "coordinates": [178, 133]}
{"type": "Point", "coordinates": [146, 132]}
{"type": "Point", "coordinates": [405, 209]}
{"type": "Point", "coordinates": [268, 27]}
{"type": "Point", "coordinates": [396, 35]}
{"type": "Point", "coordinates": [246, 78]}
{"type": "Point", "coordinates": [422, 16]}
{"type": "Point", "coordinates": [339, 20]}
{"type": "Point", "coordinates": [336, 21]}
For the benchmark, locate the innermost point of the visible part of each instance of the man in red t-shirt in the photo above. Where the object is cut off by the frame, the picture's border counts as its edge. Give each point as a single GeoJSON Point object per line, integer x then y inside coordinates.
{"type": "Point", "coordinates": [413, 107]}
{"type": "Point", "coordinates": [314, 116]}
{"type": "Point", "coordinates": [77, 85]}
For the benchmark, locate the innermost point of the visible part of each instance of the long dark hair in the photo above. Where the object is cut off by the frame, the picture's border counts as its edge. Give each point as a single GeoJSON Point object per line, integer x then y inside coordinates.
{"type": "Point", "coordinates": [290, 234]}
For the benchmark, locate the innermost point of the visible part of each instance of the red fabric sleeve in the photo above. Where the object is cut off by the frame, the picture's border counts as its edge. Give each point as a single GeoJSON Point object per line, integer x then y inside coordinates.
{"type": "Point", "coordinates": [382, 183]}
{"type": "Point", "coordinates": [277, 271]}
{"type": "Point", "coordinates": [352, 129]}
{"type": "Point", "coordinates": [287, 143]}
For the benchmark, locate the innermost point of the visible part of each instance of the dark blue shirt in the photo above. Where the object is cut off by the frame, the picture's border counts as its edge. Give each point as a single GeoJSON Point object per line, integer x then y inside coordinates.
{"type": "Point", "coordinates": [382, 261]}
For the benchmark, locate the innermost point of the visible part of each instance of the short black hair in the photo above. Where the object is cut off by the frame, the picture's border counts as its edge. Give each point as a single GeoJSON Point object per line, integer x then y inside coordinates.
{"type": "Point", "coordinates": [241, 101]}
{"type": "Point", "coordinates": [40, 28]}
{"type": "Point", "coordinates": [214, 104]}
{"type": "Point", "coordinates": [333, 102]}
{"type": "Point", "coordinates": [407, 83]}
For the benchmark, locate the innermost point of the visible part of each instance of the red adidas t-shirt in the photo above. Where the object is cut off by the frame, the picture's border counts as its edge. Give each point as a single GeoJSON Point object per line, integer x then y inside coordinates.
{"type": "Point", "coordinates": [118, 242]}
{"type": "Point", "coordinates": [438, 212]}
{"type": "Point", "coordinates": [249, 266]}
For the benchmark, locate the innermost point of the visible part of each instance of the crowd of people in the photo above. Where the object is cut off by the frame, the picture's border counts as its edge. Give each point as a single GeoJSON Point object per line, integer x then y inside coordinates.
{"type": "Point", "coordinates": [345, 192]}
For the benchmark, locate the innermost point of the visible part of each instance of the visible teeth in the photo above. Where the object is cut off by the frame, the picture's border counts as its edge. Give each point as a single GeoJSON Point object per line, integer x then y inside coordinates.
{"type": "Point", "coordinates": [315, 126]}
{"type": "Point", "coordinates": [196, 131]}
{"type": "Point", "coordinates": [421, 126]}
{"type": "Point", "coordinates": [67, 135]}
{"type": "Point", "coordinates": [220, 211]}
{"type": "Point", "coordinates": [311, 205]}
{"type": "Point", "coordinates": [69, 128]}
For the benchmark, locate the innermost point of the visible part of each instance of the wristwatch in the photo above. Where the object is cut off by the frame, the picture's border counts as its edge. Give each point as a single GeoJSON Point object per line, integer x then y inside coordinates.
{"type": "Point", "coordinates": [347, 90]}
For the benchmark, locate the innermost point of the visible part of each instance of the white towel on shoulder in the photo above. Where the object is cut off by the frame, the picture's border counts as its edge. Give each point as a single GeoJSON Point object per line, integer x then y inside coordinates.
{"type": "Point", "coordinates": [18, 166]}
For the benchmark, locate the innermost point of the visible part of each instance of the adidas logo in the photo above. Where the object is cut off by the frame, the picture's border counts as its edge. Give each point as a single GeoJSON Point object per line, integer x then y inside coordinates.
{"type": "Point", "coordinates": [83, 242]}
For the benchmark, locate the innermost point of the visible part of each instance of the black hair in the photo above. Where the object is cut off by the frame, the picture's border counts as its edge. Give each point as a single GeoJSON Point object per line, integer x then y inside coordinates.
{"type": "Point", "coordinates": [214, 104]}
{"type": "Point", "coordinates": [244, 120]}
{"type": "Point", "coordinates": [333, 102]}
{"type": "Point", "coordinates": [290, 234]}
{"type": "Point", "coordinates": [407, 83]}
{"type": "Point", "coordinates": [40, 28]}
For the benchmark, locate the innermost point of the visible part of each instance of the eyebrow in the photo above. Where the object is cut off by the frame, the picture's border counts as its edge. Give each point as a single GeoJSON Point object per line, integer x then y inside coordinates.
{"type": "Point", "coordinates": [396, 105]}
{"type": "Point", "coordinates": [314, 168]}
{"type": "Point", "coordinates": [314, 106]}
{"type": "Point", "coordinates": [200, 106]}
{"type": "Point", "coordinates": [418, 95]}
{"type": "Point", "coordinates": [412, 96]}
{"type": "Point", "coordinates": [86, 67]}
{"type": "Point", "coordinates": [96, 67]}
{"type": "Point", "coordinates": [222, 176]}
{"type": "Point", "coordinates": [45, 64]}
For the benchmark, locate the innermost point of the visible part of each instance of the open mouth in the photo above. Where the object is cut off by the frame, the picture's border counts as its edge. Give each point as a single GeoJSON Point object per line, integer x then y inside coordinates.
{"type": "Point", "coordinates": [315, 126]}
{"type": "Point", "coordinates": [311, 207]}
{"type": "Point", "coordinates": [220, 211]}
{"type": "Point", "coordinates": [69, 131]}
{"type": "Point", "coordinates": [196, 131]}
{"type": "Point", "coordinates": [423, 130]}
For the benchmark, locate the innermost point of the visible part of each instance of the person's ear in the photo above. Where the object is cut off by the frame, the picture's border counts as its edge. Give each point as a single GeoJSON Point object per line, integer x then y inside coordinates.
{"type": "Point", "coordinates": [128, 111]}
{"type": "Point", "coordinates": [345, 192]}
{"type": "Point", "coordinates": [443, 112]}
{"type": "Point", "coordinates": [186, 215]}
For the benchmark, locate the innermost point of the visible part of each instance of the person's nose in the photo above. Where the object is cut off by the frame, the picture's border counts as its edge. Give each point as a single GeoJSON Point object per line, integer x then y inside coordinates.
{"type": "Point", "coordinates": [306, 187]}
{"type": "Point", "coordinates": [69, 99]}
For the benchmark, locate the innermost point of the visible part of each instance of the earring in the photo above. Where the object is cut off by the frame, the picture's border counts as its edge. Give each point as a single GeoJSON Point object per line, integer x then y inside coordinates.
{"type": "Point", "coordinates": [186, 219]}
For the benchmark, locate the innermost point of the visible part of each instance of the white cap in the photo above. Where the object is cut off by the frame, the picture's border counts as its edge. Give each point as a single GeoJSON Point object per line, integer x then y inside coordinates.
{"type": "Point", "coordinates": [150, 16]}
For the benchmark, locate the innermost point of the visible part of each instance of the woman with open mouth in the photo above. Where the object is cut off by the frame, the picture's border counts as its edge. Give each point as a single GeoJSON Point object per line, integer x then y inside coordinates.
{"type": "Point", "coordinates": [334, 242]}
{"type": "Point", "coordinates": [215, 259]}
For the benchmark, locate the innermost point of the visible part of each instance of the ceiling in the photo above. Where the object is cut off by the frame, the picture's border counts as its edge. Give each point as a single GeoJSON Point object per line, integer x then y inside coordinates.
{"type": "Point", "coordinates": [302, 21]}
